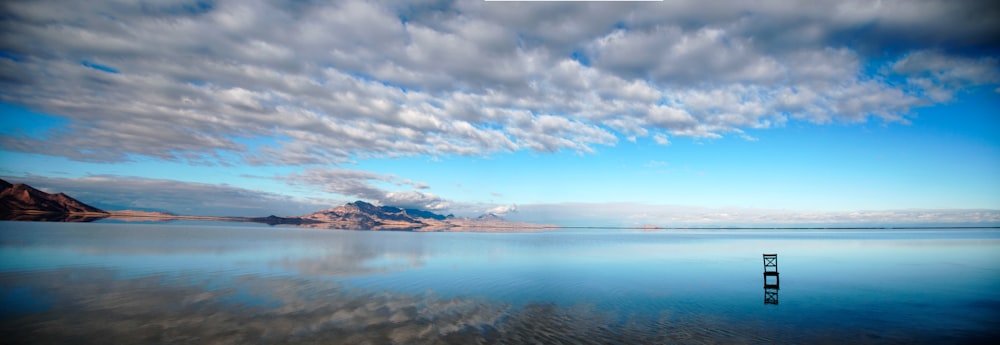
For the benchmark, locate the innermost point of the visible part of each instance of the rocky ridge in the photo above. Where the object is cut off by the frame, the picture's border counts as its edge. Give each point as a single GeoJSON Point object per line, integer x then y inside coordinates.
{"type": "Point", "coordinates": [363, 215]}
{"type": "Point", "coordinates": [20, 200]}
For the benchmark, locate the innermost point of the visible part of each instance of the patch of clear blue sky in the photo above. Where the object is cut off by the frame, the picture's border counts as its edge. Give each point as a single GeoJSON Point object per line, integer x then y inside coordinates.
{"type": "Point", "coordinates": [18, 120]}
{"type": "Point", "coordinates": [100, 67]}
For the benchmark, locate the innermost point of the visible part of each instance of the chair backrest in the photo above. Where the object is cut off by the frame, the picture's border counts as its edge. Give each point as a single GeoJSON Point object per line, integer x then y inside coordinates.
{"type": "Point", "coordinates": [771, 261]}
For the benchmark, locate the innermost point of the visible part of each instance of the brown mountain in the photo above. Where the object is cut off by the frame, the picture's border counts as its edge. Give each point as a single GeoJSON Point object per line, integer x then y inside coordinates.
{"type": "Point", "coordinates": [360, 215]}
{"type": "Point", "coordinates": [19, 199]}
{"type": "Point", "coordinates": [363, 215]}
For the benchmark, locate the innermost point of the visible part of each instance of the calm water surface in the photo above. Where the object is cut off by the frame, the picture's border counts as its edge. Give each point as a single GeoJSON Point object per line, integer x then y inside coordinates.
{"type": "Point", "coordinates": [234, 283]}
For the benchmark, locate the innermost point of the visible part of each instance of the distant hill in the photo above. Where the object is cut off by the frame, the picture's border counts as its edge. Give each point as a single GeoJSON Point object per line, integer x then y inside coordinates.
{"type": "Point", "coordinates": [360, 215]}
{"type": "Point", "coordinates": [19, 199]}
{"type": "Point", "coordinates": [425, 214]}
{"type": "Point", "coordinates": [364, 215]}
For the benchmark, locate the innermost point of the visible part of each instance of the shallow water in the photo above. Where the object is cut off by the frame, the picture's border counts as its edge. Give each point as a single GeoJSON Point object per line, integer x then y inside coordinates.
{"type": "Point", "coordinates": [230, 283]}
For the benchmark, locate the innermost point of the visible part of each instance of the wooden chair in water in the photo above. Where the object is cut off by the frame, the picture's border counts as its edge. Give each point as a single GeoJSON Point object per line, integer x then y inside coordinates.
{"type": "Point", "coordinates": [771, 270]}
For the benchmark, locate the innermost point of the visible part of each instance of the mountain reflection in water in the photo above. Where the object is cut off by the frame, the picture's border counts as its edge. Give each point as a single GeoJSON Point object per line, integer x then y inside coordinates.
{"type": "Point", "coordinates": [49, 217]}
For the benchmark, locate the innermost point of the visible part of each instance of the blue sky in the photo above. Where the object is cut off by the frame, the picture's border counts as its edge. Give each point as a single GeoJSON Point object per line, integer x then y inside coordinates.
{"type": "Point", "coordinates": [641, 113]}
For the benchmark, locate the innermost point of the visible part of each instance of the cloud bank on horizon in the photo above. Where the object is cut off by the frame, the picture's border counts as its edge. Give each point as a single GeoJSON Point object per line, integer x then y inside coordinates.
{"type": "Point", "coordinates": [319, 85]}
{"type": "Point", "coordinates": [115, 192]}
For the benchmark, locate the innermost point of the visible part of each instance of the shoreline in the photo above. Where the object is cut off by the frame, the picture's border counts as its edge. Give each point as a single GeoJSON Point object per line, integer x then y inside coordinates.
{"type": "Point", "coordinates": [457, 225]}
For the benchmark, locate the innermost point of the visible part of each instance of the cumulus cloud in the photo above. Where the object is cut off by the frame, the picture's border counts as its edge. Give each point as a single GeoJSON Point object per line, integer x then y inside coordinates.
{"type": "Point", "coordinates": [503, 209]}
{"type": "Point", "coordinates": [111, 192]}
{"type": "Point", "coordinates": [661, 139]}
{"type": "Point", "coordinates": [939, 75]}
{"type": "Point", "coordinates": [363, 184]}
{"type": "Point", "coordinates": [276, 82]}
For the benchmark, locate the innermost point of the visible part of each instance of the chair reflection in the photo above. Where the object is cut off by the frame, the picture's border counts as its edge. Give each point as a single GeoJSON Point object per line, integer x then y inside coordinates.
{"type": "Point", "coordinates": [771, 280]}
{"type": "Point", "coordinates": [770, 294]}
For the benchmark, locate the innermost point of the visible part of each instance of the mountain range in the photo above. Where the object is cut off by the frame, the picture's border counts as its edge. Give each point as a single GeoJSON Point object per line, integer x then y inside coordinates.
{"type": "Point", "coordinates": [23, 202]}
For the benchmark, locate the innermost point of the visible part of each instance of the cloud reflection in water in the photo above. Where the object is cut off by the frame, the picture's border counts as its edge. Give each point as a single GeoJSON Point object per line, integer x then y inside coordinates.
{"type": "Point", "coordinates": [95, 306]}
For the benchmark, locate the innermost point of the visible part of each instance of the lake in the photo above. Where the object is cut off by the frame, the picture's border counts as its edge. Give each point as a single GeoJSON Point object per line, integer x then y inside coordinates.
{"type": "Point", "coordinates": [243, 283]}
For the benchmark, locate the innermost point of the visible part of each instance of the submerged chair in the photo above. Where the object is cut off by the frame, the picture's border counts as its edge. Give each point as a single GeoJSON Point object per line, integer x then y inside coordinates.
{"type": "Point", "coordinates": [771, 270]}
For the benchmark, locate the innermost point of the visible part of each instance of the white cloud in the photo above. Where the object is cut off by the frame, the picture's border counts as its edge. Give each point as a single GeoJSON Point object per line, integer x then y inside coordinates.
{"type": "Point", "coordinates": [273, 82]}
{"type": "Point", "coordinates": [661, 139]}
{"type": "Point", "coordinates": [671, 55]}
{"type": "Point", "coordinates": [503, 209]}
{"type": "Point", "coordinates": [939, 75]}
{"type": "Point", "coordinates": [364, 185]}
